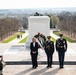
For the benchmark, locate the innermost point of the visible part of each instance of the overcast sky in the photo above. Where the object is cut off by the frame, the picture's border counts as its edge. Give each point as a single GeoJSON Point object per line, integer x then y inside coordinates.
{"type": "Point", "coordinates": [18, 4]}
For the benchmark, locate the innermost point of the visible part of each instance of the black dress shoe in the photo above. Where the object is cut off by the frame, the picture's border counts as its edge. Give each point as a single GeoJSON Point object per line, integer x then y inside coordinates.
{"type": "Point", "coordinates": [33, 67]}
{"type": "Point", "coordinates": [47, 66]}
{"type": "Point", "coordinates": [37, 66]}
{"type": "Point", "coordinates": [50, 66]}
{"type": "Point", "coordinates": [61, 67]}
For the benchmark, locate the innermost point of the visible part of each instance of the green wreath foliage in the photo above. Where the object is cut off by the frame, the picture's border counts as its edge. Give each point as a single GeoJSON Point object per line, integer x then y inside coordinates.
{"type": "Point", "coordinates": [43, 36]}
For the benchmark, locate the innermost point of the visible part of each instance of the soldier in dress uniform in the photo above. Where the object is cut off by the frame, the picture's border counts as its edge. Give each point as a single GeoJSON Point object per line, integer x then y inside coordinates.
{"type": "Point", "coordinates": [61, 47]}
{"type": "Point", "coordinates": [49, 49]}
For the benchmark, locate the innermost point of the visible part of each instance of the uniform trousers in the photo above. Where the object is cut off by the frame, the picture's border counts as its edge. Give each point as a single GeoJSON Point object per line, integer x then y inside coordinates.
{"type": "Point", "coordinates": [49, 59]}
{"type": "Point", "coordinates": [61, 55]}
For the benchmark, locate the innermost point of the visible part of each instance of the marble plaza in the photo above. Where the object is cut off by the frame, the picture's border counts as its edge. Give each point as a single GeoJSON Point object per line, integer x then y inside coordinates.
{"type": "Point", "coordinates": [18, 52]}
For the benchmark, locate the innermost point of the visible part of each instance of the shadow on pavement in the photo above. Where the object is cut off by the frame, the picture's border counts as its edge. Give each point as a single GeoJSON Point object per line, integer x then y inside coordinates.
{"type": "Point", "coordinates": [43, 72]}
{"type": "Point", "coordinates": [52, 72]}
{"type": "Point", "coordinates": [24, 72]}
{"type": "Point", "coordinates": [39, 72]}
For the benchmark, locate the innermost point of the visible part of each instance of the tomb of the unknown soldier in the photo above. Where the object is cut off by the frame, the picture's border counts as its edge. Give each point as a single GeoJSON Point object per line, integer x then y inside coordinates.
{"type": "Point", "coordinates": [37, 24]}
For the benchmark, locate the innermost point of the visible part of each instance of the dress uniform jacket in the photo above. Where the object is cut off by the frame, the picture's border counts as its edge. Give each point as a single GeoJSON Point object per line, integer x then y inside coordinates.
{"type": "Point", "coordinates": [61, 45]}
{"type": "Point", "coordinates": [49, 47]}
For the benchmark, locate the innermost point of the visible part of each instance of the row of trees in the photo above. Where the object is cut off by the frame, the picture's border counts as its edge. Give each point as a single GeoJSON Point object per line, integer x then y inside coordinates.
{"type": "Point", "coordinates": [64, 21]}
{"type": "Point", "coordinates": [8, 26]}
{"type": "Point", "coordinates": [54, 21]}
{"type": "Point", "coordinates": [67, 24]}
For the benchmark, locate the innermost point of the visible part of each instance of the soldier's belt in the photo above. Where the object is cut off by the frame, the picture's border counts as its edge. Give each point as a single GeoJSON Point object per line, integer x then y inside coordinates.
{"type": "Point", "coordinates": [61, 46]}
{"type": "Point", "coordinates": [47, 46]}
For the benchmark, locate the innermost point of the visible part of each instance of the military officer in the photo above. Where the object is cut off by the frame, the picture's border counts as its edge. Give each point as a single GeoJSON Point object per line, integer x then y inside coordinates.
{"type": "Point", "coordinates": [61, 47]}
{"type": "Point", "coordinates": [49, 49]}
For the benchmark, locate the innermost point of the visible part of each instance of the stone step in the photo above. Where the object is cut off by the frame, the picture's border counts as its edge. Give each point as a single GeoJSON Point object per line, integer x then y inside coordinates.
{"type": "Point", "coordinates": [39, 62]}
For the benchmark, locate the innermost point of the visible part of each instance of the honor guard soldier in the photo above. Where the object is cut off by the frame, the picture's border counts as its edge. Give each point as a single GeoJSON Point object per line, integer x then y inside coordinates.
{"type": "Point", "coordinates": [49, 49]}
{"type": "Point", "coordinates": [61, 47]}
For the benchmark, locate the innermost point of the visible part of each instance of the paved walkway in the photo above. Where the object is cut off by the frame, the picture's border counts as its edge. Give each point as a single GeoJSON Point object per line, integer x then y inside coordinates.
{"type": "Point", "coordinates": [41, 70]}
{"type": "Point", "coordinates": [17, 40]}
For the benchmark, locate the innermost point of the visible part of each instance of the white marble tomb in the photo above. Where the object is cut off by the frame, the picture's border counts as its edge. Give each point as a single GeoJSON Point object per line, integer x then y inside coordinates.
{"type": "Point", "coordinates": [38, 24]}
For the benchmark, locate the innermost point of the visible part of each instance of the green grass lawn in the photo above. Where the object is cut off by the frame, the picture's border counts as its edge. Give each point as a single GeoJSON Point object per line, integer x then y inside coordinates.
{"type": "Point", "coordinates": [21, 33]}
{"type": "Point", "coordinates": [24, 40]}
{"type": "Point", "coordinates": [53, 39]}
{"type": "Point", "coordinates": [68, 39]}
{"type": "Point", "coordinates": [12, 38]}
